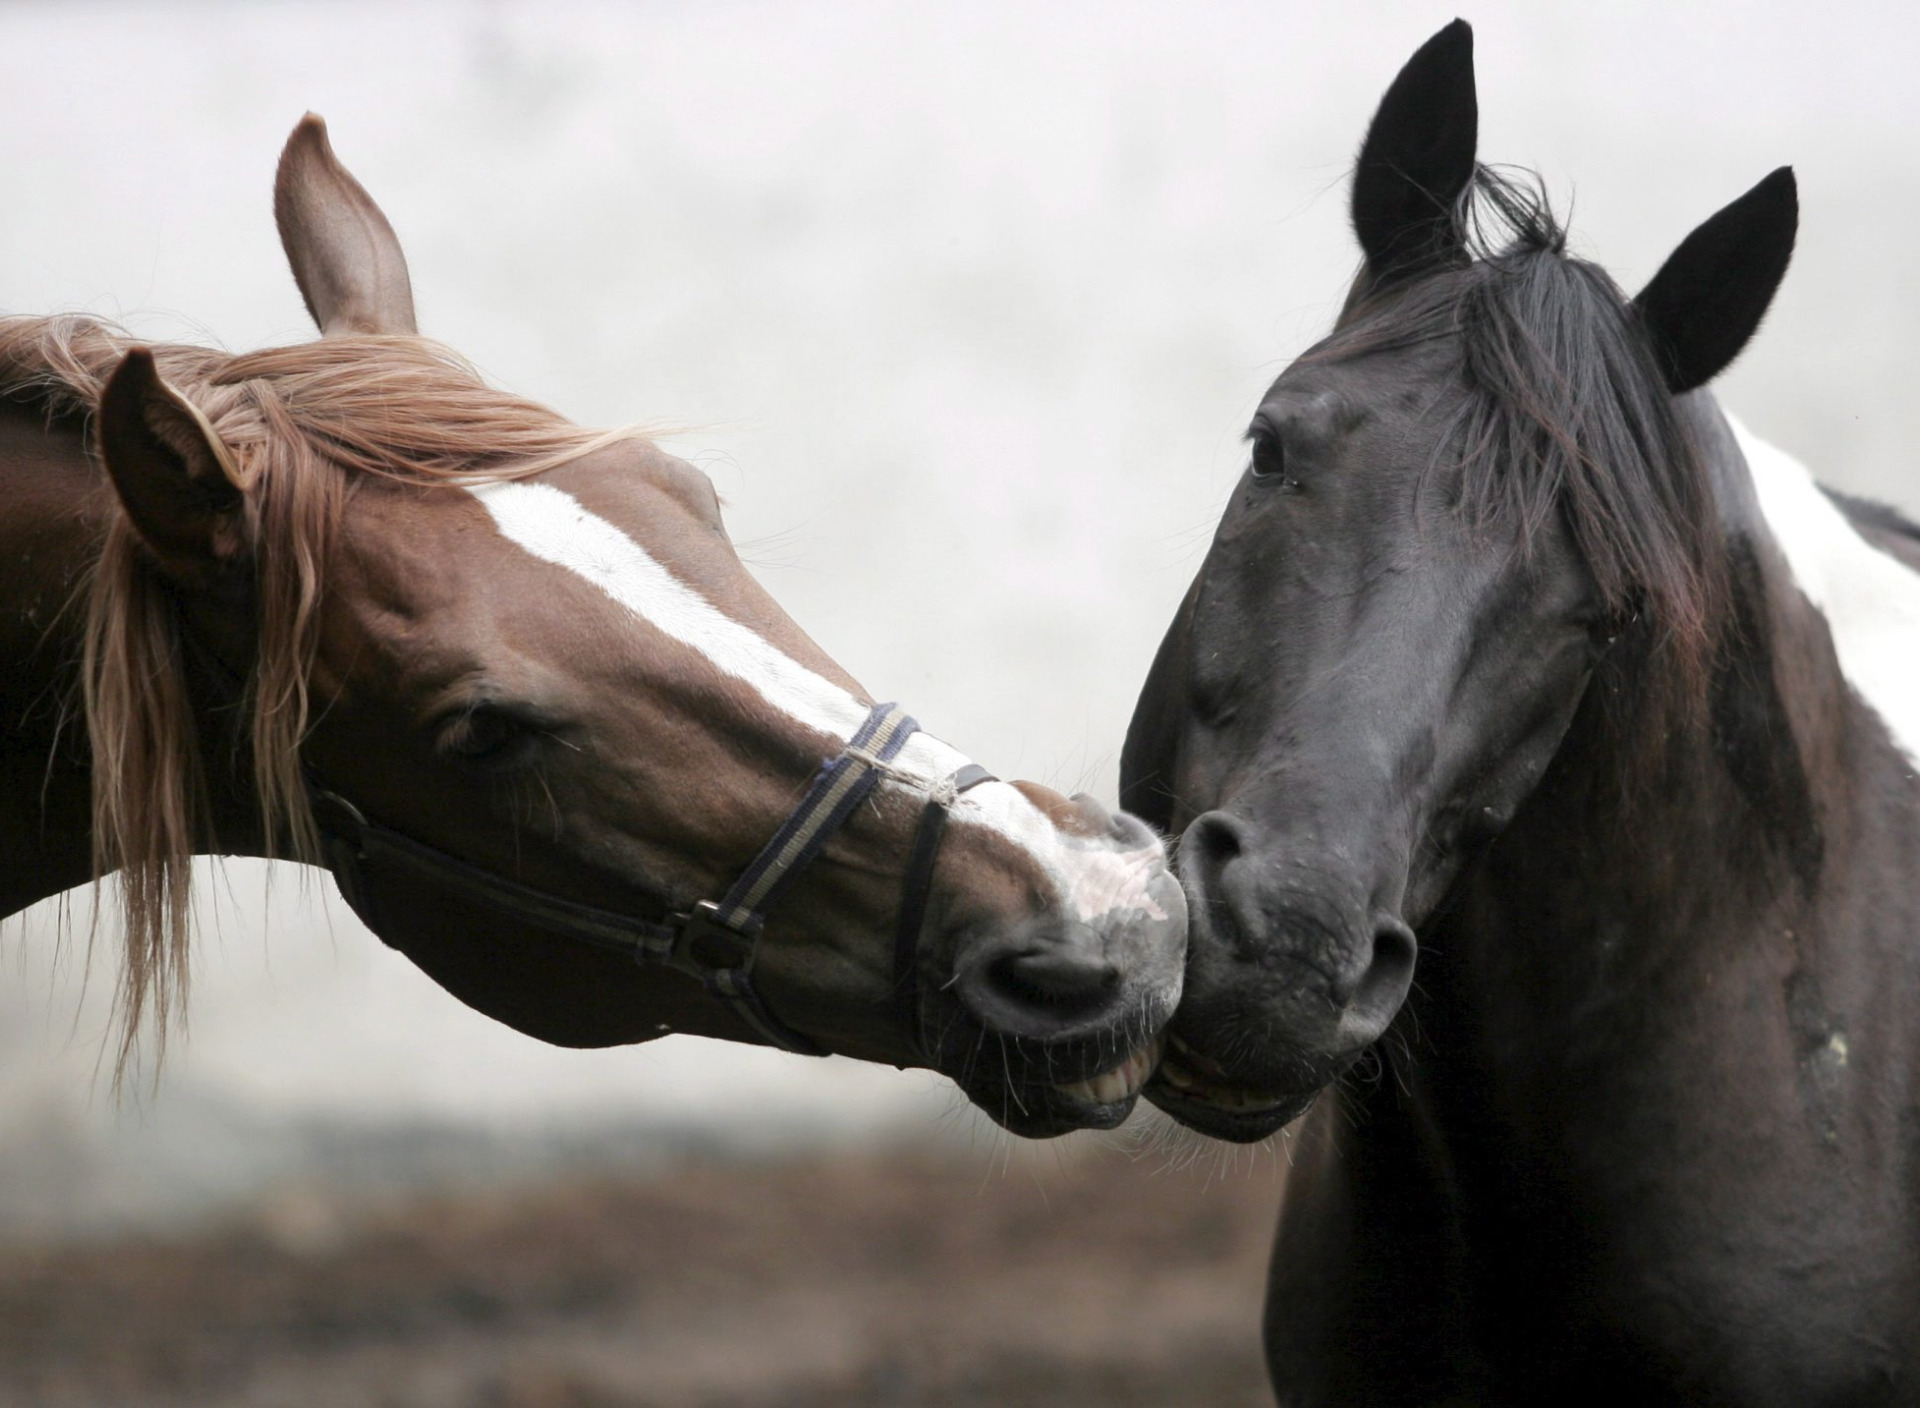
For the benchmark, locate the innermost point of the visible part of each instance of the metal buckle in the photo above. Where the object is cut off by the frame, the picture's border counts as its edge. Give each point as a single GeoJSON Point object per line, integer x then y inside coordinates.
{"type": "Point", "coordinates": [355, 829]}
{"type": "Point", "coordinates": [705, 944]}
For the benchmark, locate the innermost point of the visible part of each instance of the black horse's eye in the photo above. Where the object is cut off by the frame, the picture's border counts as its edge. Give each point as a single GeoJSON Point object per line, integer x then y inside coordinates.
{"type": "Point", "coordinates": [1269, 464]}
{"type": "Point", "coordinates": [486, 735]}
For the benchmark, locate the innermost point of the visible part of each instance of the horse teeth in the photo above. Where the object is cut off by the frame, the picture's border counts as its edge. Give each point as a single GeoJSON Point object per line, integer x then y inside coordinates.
{"type": "Point", "coordinates": [1121, 1083]}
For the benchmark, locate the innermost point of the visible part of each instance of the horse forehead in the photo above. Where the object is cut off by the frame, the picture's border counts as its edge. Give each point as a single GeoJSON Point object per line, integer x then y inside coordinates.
{"type": "Point", "coordinates": [433, 544]}
{"type": "Point", "coordinates": [410, 548]}
{"type": "Point", "coordinates": [1391, 374]}
{"type": "Point", "coordinates": [652, 500]}
{"type": "Point", "coordinates": [627, 480]}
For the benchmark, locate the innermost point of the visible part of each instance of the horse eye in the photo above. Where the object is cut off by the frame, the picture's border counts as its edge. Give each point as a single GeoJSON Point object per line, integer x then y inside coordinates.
{"type": "Point", "coordinates": [1270, 463]}
{"type": "Point", "coordinates": [485, 734]}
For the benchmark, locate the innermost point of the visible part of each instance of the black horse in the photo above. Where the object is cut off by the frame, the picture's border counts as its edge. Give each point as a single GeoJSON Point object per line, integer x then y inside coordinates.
{"type": "Point", "coordinates": [1513, 653]}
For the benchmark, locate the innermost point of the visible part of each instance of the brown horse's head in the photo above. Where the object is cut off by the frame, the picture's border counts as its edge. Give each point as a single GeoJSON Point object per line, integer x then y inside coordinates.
{"type": "Point", "coordinates": [532, 647]}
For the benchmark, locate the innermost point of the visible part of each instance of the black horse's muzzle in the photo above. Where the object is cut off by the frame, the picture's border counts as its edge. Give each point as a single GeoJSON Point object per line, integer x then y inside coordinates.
{"type": "Point", "coordinates": [1292, 973]}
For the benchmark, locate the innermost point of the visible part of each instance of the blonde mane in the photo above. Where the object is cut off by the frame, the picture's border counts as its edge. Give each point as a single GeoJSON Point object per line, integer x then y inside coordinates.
{"type": "Point", "coordinates": [299, 424]}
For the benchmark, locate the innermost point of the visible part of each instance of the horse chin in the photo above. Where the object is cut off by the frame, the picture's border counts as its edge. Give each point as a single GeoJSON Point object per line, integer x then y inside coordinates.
{"type": "Point", "coordinates": [1200, 1094]}
{"type": "Point", "coordinates": [1036, 1115]}
{"type": "Point", "coordinates": [1238, 1116]}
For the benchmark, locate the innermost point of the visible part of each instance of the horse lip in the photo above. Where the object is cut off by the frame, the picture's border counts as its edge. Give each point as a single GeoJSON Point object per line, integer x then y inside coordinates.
{"type": "Point", "coordinates": [1186, 1056]}
{"type": "Point", "coordinates": [1197, 1091]}
{"type": "Point", "coordinates": [1041, 1111]}
{"type": "Point", "coordinates": [1109, 1115]}
{"type": "Point", "coordinates": [1239, 1126]}
{"type": "Point", "coordinates": [1036, 1108]}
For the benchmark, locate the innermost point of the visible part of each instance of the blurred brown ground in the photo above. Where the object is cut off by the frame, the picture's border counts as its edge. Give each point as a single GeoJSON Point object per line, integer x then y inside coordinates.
{"type": "Point", "coordinates": [867, 1280]}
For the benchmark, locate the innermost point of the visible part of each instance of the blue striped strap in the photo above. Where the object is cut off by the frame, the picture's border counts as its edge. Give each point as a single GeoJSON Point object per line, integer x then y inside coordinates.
{"type": "Point", "coordinates": [838, 789]}
{"type": "Point", "coordinates": [716, 942]}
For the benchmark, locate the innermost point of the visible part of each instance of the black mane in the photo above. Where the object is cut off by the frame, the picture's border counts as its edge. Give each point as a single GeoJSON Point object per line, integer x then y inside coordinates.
{"type": "Point", "coordinates": [1565, 413]}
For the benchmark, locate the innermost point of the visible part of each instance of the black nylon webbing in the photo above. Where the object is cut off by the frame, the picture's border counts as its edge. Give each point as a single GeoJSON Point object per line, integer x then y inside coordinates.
{"type": "Point", "coordinates": [714, 943]}
{"type": "Point", "coordinates": [915, 889]}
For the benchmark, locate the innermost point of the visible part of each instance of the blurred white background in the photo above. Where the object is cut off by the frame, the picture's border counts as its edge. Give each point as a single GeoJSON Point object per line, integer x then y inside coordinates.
{"type": "Point", "coordinates": [1011, 276]}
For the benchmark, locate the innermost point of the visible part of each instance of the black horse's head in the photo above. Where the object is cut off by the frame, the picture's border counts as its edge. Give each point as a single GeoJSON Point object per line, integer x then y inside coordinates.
{"type": "Point", "coordinates": [1473, 493]}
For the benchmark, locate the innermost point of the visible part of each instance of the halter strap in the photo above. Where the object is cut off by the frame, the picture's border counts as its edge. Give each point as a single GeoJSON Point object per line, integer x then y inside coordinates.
{"type": "Point", "coordinates": [838, 789]}
{"type": "Point", "coordinates": [915, 889]}
{"type": "Point", "coordinates": [714, 942]}
{"type": "Point", "coordinates": [720, 940]}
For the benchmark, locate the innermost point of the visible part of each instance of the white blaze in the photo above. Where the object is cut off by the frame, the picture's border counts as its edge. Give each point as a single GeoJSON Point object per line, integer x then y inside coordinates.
{"type": "Point", "coordinates": [1091, 878]}
{"type": "Point", "coordinates": [1871, 601]}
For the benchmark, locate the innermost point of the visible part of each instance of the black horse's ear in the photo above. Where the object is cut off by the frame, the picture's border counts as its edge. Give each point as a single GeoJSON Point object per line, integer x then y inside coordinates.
{"type": "Point", "coordinates": [1418, 158]}
{"type": "Point", "coordinates": [1710, 295]}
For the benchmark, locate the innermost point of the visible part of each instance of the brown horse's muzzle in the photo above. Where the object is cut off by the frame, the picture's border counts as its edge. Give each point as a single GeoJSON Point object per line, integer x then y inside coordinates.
{"type": "Point", "coordinates": [1050, 1018]}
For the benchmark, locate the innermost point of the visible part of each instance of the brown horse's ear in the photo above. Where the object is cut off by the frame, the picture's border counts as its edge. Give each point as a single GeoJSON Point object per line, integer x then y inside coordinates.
{"type": "Point", "coordinates": [344, 254]}
{"type": "Point", "coordinates": [178, 482]}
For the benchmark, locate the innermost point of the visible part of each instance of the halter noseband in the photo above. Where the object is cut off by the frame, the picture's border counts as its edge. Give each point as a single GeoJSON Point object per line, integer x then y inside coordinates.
{"type": "Point", "coordinates": [712, 941]}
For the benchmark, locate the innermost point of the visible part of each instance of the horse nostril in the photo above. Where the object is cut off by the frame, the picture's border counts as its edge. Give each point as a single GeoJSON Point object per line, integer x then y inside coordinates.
{"type": "Point", "coordinates": [1383, 986]}
{"type": "Point", "coordinates": [1129, 831]}
{"type": "Point", "coordinates": [1212, 841]}
{"type": "Point", "coordinates": [1047, 990]}
{"type": "Point", "coordinates": [1057, 978]}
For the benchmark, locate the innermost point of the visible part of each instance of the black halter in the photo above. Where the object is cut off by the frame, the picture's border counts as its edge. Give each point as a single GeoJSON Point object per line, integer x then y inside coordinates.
{"type": "Point", "coordinates": [713, 941]}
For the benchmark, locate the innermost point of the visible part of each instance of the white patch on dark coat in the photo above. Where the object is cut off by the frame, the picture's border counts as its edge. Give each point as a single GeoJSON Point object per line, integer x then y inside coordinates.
{"type": "Point", "coordinates": [1093, 878]}
{"type": "Point", "coordinates": [1871, 601]}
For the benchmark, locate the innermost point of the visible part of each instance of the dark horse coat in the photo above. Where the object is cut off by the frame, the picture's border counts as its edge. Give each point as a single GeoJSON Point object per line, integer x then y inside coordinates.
{"type": "Point", "coordinates": [1514, 657]}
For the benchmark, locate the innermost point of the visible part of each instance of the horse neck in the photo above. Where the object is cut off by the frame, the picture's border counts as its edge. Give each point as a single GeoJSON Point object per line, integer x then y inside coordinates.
{"type": "Point", "coordinates": [58, 506]}
{"type": "Point", "coordinates": [1589, 935]}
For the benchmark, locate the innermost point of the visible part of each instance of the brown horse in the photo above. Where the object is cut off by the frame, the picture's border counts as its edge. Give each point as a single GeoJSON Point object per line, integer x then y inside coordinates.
{"type": "Point", "coordinates": [344, 603]}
